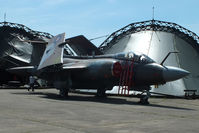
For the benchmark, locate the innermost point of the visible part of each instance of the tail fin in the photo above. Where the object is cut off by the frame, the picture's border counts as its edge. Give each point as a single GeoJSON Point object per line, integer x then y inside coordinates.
{"type": "Point", "coordinates": [53, 53]}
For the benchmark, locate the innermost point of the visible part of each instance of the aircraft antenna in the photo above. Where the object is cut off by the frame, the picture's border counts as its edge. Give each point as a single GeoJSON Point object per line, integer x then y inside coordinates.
{"type": "Point", "coordinates": [5, 17]}
{"type": "Point", "coordinates": [153, 13]}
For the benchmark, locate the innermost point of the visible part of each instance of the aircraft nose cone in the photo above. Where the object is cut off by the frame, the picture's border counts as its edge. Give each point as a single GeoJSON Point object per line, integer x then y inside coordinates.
{"type": "Point", "coordinates": [174, 73]}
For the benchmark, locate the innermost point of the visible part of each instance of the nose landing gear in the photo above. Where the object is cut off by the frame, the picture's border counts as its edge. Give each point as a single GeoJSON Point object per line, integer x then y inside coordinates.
{"type": "Point", "coordinates": [144, 98]}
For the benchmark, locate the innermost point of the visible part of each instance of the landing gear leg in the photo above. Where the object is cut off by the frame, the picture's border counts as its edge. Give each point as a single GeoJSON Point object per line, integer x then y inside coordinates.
{"type": "Point", "coordinates": [63, 92]}
{"type": "Point", "coordinates": [144, 98]}
{"type": "Point", "coordinates": [101, 92]}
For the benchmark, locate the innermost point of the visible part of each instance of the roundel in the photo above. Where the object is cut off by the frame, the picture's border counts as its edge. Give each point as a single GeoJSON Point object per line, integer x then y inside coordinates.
{"type": "Point", "coordinates": [117, 69]}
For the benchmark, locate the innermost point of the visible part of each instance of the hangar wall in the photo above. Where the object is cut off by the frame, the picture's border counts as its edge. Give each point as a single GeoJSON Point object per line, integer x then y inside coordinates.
{"type": "Point", "coordinates": [157, 44]}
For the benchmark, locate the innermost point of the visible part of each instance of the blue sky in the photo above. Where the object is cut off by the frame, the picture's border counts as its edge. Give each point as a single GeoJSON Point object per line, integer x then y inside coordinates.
{"type": "Point", "coordinates": [94, 18]}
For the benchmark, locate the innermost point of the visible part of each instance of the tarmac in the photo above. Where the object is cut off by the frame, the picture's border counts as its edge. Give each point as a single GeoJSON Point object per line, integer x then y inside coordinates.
{"type": "Point", "coordinates": [43, 111]}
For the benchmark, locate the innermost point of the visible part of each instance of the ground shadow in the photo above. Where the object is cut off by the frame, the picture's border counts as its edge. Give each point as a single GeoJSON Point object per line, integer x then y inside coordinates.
{"type": "Point", "coordinates": [92, 98]}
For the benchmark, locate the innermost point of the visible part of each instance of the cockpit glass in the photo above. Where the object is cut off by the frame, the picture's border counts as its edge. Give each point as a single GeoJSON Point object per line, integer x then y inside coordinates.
{"type": "Point", "coordinates": [140, 58]}
{"type": "Point", "coordinates": [144, 58]}
{"type": "Point", "coordinates": [130, 55]}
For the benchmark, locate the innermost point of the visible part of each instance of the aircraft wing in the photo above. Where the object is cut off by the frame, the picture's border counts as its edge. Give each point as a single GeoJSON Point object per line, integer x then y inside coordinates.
{"type": "Point", "coordinates": [23, 71]}
{"type": "Point", "coordinates": [74, 65]}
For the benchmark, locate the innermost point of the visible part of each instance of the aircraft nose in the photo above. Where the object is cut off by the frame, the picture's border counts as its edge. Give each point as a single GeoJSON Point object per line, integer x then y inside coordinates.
{"type": "Point", "coordinates": [174, 73]}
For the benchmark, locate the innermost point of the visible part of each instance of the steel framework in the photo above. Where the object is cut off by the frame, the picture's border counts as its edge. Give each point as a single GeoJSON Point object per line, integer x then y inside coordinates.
{"type": "Point", "coordinates": [152, 25]}
{"type": "Point", "coordinates": [23, 27]}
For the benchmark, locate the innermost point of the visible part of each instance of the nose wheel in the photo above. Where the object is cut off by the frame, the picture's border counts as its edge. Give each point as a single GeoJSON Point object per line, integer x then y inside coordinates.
{"type": "Point", "coordinates": [144, 98]}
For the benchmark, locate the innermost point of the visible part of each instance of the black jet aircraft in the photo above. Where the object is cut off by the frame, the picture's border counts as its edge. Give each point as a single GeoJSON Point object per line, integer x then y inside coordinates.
{"type": "Point", "coordinates": [101, 72]}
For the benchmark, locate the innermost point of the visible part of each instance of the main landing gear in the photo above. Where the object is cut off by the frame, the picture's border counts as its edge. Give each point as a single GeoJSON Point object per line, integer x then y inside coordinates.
{"type": "Point", "coordinates": [144, 98]}
{"type": "Point", "coordinates": [63, 92]}
{"type": "Point", "coordinates": [101, 92]}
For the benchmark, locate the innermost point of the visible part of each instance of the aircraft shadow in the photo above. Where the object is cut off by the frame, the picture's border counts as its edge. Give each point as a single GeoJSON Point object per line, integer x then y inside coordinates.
{"type": "Point", "coordinates": [92, 98]}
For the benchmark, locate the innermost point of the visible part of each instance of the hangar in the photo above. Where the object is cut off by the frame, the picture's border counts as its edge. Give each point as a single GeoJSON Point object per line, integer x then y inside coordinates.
{"type": "Point", "coordinates": [14, 53]}
{"type": "Point", "coordinates": [156, 38]}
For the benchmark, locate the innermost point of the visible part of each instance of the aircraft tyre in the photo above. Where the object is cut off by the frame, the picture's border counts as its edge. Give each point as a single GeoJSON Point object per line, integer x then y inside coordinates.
{"type": "Point", "coordinates": [101, 92]}
{"type": "Point", "coordinates": [144, 100]}
{"type": "Point", "coordinates": [63, 92]}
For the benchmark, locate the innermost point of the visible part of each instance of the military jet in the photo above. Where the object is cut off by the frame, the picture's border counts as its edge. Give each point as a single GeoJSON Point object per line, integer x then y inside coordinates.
{"type": "Point", "coordinates": [101, 72]}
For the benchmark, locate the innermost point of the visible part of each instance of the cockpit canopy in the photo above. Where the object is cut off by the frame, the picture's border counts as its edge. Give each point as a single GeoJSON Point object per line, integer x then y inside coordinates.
{"type": "Point", "coordinates": [139, 58]}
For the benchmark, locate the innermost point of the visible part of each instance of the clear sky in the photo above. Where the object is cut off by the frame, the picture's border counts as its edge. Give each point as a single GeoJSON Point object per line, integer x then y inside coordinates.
{"type": "Point", "coordinates": [94, 18]}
